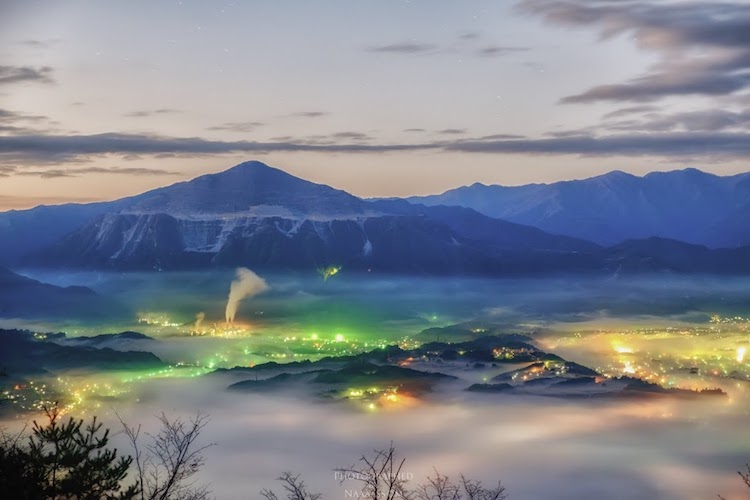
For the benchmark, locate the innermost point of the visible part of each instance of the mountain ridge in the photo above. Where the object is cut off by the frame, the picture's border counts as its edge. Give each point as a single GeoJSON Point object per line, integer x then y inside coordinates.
{"type": "Point", "coordinates": [261, 217]}
{"type": "Point", "coordinates": [688, 205]}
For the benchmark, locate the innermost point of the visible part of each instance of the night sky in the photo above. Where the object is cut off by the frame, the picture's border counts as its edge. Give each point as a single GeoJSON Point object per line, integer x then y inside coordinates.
{"type": "Point", "coordinates": [382, 98]}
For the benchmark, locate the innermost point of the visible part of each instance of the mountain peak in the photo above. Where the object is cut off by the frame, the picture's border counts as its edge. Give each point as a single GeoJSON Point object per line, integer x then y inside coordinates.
{"type": "Point", "coordinates": [613, 175]}
{"type": "Point", "coordinates": [252, 170]}
{"type": "Point", "coordinates": [687, 205]}
{"type": "Point", "coordinates": [251, 164]}
{"type": "Point", "coordinates": [690, 172]}
{"type": "Point", "coordinates": [249, 188]}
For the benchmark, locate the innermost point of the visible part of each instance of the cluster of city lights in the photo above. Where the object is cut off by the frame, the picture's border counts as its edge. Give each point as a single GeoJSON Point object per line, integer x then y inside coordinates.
{"type": "Point", "coordinates": [690, 357]}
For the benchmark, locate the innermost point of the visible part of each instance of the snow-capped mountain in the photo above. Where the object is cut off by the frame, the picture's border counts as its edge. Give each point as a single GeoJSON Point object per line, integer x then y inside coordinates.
{"type": "Point", "coordinates": [258, 216]}
{"type": "Point", "coordinates": [250, 189]}
{"type": "Point", "coordinates": [686, 205]}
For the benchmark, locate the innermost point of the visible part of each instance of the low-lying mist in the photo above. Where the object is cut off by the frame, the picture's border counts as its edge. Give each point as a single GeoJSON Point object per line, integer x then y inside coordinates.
{"type": "Point", "coordinates": [673, 330]}
{"type": "Point", "coordinates": [656, 449]}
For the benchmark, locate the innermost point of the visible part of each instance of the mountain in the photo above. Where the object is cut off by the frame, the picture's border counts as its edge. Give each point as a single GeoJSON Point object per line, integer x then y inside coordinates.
{"type": "Point", "coordinates": [383, 376]}
{"type": "Point", "coordinates": [261, 217]}
{"type": "Point", "coordinates": [30, 230]}
{"type": "Point", "coordinates": [258, 216]}
{"type": "Point", "coordinates": [686, 205]}
{"type": "Point", "coordinates": [487, 231]}
{"type": "Point", "coordinates": [251, 188]}
{"type": "Point", "coordinates": [25, 352]}
{"type": "Point", "coordinates": [22, 297]}
{"type": "Point", "coordinates": [660, 254]}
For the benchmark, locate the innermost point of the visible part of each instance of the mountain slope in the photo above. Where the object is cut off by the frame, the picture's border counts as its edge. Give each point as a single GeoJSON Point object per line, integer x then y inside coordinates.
{"type": "Point", "coordinates": [500, 234]}
{"type": "Point", "coordinates": [22, 297]}
{"type": "Point", "coordinates": [24, 352]}
{"type": "Point", "coordinates": [687, 205]}
{"type": "Point", "coordinates": [258, 216]}
{"type": "Point", "coordinates": [25, 231]}
{"type": "Point", "coordinates": [250, 187]}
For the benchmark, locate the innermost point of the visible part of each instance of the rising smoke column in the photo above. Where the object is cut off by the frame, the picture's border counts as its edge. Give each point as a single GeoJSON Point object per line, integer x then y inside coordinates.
{"type": "Point", "coordinates": [199, 320]}
{"type": "Point", "coordinates": [247, 284]}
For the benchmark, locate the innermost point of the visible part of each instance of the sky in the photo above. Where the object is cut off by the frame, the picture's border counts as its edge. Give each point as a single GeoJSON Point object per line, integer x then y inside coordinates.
{"type": "Point", "coordinates": [100, 100]}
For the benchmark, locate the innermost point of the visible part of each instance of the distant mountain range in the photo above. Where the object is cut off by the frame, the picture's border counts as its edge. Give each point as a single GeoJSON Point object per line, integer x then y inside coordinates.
{"type": "Point", "coordinates": [22, 297]}
{"type": "Point", "coordinates": [261, 217]}
{"type": "Point", "coordinates": [26, 353]}
{"type": "Point", "coordinates": [686, 205]}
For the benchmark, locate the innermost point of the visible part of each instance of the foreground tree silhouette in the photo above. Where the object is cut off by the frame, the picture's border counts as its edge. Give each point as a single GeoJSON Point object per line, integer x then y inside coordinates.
{"type": "Point", "coordinates": [164, 468]}
{"type": "Point", "coordinates": [294, 488]}
{"type": "Point", "coordinates": [745, 475]}
{"type": "Point", "coordinates": [745, 478]}
{"type": "Point", "coordinates": [439, 487]}
{"type": "Point", "coordinates": [71, 461]}
{"type": "Point", "coordinates": [63, 460]}
{"type": "Point", "coordinates": [381, 476]}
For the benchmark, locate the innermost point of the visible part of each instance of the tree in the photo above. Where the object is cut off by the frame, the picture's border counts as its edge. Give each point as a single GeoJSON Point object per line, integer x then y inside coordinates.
{"type": "Point", "coordinates": [745, 478]}
{"type": "Point", "coordinates": [745, 475]}
{"type": "Point", "coordinates": [63, 460]}
{"type": "Point", "coordinates": [294, 488]}
{"type": "Point", "coordinates": [165, 467]}
{"type": "Point", "coordinates": [381, 476]}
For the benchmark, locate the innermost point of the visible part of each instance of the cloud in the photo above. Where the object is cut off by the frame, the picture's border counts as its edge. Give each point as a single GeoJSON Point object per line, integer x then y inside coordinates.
{"type": "Point", "coordinates": [75, 172]}
{"type": "Point", "coordinates": [357, 136]}
{"type": "Point", "coordinates": [39, 44]}
{"type": "Point", "coordinates": [147, 113]}
{"type": "Point", "coordinates": [452, 131]}
{"type": "Point", "coordinates": [501, 137]}
{"type": "Point", "coordinates": [7, 115]}
{"type": "Point", "coordinates": [55, 148]}
{"type": "Point", "coordinates": [12, 122]}
{"type": "Point", "coordinates": [36, 149]}
{"type": "Point", "coordinates": [414, 130]}
{"type": "Point", "coordinates": [19, 74]}
{"type": "Point", "coordinates": [46, 174]}
{"type": "Point", "coordinates": [12, 129]}
{"type": "Point", "coordinates": [404, 48]}
{"type": "Point", "coordinates": [237, 126]}
{"type": "Point", "coordinates": [705, 120]}
{"type": "Point", "coordinates": [684, 79]}
{"type": "Point", "coordinates": [472, 35]}
{"type": "Point", "coordinates": [8, 202]}
{"type": "Point", "coordinates": [495, 50]}
{"type": "Point", "coordinates": [326, 139]}
{"type": "Point", "coordinates": [629, 111]}
{"type": "Point", "coordinates": [676, 144]}
{"type": "Point", "coordinates": [704, 46]}
{"type": "Point", "coordinates": [309, 114]}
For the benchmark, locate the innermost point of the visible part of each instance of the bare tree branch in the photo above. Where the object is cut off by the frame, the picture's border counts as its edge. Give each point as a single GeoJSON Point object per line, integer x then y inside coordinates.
{"type": "Point", "coordinates": [293, 486]}
{"type": "Point", "coordinates": [166, 467]}
{"type": "Point", "coordinates": [380, 476]}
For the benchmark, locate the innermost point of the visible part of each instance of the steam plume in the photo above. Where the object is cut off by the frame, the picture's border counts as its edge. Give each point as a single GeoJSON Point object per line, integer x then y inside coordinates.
{"type": "Point", "coordinates": [247, 284]}
{"type": "Point", "coordinates": [199, 320]}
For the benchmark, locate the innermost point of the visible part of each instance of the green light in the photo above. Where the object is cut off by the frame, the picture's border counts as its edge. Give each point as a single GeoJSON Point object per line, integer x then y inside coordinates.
{"type": "Point", "coordinates": [327, 272]}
